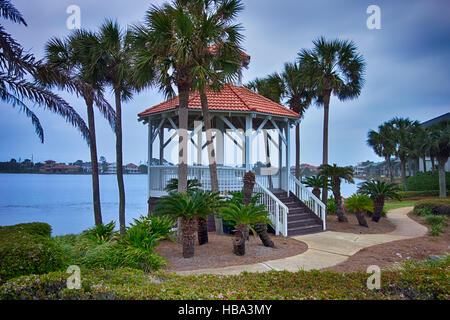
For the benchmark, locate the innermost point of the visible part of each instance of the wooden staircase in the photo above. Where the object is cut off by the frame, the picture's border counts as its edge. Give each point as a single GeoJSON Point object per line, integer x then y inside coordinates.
{"type": "Point", "coordinates": [301, 220]}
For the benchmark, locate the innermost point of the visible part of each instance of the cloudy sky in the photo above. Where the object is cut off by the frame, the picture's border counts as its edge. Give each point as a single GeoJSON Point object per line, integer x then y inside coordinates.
{"type": "Point", "coordinates": [407, 71]}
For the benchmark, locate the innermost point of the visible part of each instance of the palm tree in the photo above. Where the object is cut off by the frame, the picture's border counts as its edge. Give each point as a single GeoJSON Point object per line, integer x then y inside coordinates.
{"type": "Point", "coordinates": [358, 203]}
{"type": "Point", "coordinates": [336, 174]}
{"type": "Point", "coordinates": [220, 60]}
{"type": "Point", "coordinates": [332, 68]}
{"type": "Point", "coordinates": [440, 140]}
{"type": "Point", "coordinates": [316, 183]}
{"type": "Point", "coordinates": [299, 99]}
{"type": "Point", "coordinates": [402, 132]}
{"type": "Point", "coordinates": [260, 227]}
{"type": "Point", "coordinates": [379, 191]}
{"type": "Point", "coordinates": [243, 216]}
{"type": "Point", "coordinates": [272, 87]}
{"type": "Point", "coordinates": [188, 207]}
{"type": "Point", "coordinates": [113, 53]}
{"type": "Point", "coordinates": [383, 144]}
{"type": "Point", "coordinates": [72, 58]}
{"type": "Point", "coordinates": [16, 67]}
{"type": "Point", "coordinates": [192, 185]}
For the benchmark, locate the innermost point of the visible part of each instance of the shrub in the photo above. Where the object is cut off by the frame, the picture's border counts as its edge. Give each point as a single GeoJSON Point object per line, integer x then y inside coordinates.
{"type": "Point", "coordinates": [101, 233]}
{"type": "Point", "coordinates": [426, 181]}
{"type": "Point", "coordinates": [331, 206]}
{"type": "Point", "coordinates": [436, 223]}
{"type": "Point", "coordinates": [413, 281]}
{"type": "Point", "coordinates": [437, 206]}
{"type": "Point", "coordinates": [424, 193]}
{"type": "Point", "coordinates": [28, 249]}
{"type": "Point", "coordinates": [158, 225]}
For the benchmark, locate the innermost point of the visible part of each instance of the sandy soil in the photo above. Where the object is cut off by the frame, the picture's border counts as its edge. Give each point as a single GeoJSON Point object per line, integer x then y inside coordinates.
{"type": "Point", "coordinates": [392, 253]}
{"type": "Point", "coordinates": [219, 252]}
{"type": "Point", "coordinates": [352, 226]}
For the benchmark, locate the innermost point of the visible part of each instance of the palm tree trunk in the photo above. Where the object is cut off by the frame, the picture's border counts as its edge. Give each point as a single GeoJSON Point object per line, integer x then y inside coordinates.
{"type": "Point", "coordinates": [94, 162]}
{"type": "Point", "coordinates": [403, 168]}
{"type": "Point", "coordinates": [336, 186]}
{"type": "Point", "coordinates": [424, 162]}
{"type": "Point", "coordinates": [119, 161]}
{"type": "Point", "coordinates": [433, 167]}
{"type": "Point", "coordinates": [361, 220]}
{"type": "Point", "coordinates": [239, 240]}
{"type": "Point", "coordinates": [297, 151]}
{"type": "Point", "coordinates": [326, 109]}
{"type": "Point", "coordinates": [202, 232]}
{"type": "Point", "coordinates": [389, 164]}
{"type": "Point", "coordinates": [442, 182]}
{"type": "Point", "coordinates": [211, 155]}
{"type": "Point", "coordinates": [378, 208]}
{"type": "Point", "coordinates": [188, 227]}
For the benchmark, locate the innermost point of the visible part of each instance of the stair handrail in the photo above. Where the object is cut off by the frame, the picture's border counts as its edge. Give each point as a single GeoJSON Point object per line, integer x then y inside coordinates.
{"type": "Point", "coordinates": [308, 198]}
{"type": "Point", "coordinates": [278, 212]}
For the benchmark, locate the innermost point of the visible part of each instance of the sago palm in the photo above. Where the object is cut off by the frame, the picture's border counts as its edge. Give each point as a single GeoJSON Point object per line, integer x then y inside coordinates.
{"type": "Point", "coordinates": [17, 68]}
{"type": "Point", "coordinates": [243, 216]}
{"type": "Point", "coordinates": [359, 203]}
{"type": "Point", "coordinates": [379, 191]}
{"type": "Point", "coordinates": [336, 174]}
{"type": "Point", "coordinates": [316, 183]}
{"type": "Point", "coordinates": [332, 68]}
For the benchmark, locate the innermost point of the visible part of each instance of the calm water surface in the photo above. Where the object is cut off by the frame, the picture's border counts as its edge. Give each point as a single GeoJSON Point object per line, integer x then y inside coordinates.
{"type": "Point", "coordinates": [65, 201]}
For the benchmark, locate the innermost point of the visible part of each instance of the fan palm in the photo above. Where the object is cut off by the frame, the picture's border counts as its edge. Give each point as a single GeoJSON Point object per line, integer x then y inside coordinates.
{"type": "Point", "coordinates": [379, 191]}
{"type": "Point", "coordinates": [243, 216]}
{"type": "Point", "coordinates": [16, 90]}
{"type": "Point", "coordinates": [402, 132]}
{"type": "Point", "coordinates": [218, 52]}
{"type": "Point", "coordinates": [440, 140]}
{"type": "Point", "coordinates": [358, 203]}
{"type": "Point", "coordinates": [332, 68]}
{"type": "Point", "coordinates": [336, 174]}
{"type": "Point", "coordinates": [299, 98]}
{"type": "Point", "coordinates": [72, 58]}
{"type": "Point", "coordinates": [383, 144]}
{"type": "Point", "coordinates": [112, 52]}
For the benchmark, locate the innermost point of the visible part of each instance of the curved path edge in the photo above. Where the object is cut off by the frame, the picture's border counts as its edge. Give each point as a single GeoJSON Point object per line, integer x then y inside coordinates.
{"type": "Point", "coordinates": [329, 248]}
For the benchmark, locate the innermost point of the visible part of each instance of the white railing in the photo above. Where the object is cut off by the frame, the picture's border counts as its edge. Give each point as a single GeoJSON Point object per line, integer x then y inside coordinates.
{"type": "Point", "coordinates": [230, 179]}
{"type": "Point", "coordinates": [308, 198]}
{"type": "Point", "coordinates": [278, 211]}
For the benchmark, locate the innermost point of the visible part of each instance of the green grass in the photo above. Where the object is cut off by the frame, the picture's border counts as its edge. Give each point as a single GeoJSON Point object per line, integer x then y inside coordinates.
{"type": "Point", "coordinates": [399, 204]}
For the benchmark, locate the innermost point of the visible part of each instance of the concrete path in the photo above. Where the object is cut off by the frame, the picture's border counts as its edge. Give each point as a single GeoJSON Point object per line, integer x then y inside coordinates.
{"type": "Point", "coordinates": [329, 248]}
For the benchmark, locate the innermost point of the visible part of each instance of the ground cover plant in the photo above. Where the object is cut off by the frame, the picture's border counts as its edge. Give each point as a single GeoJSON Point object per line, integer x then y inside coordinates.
{"type": "Point", "coordinates": [421, 280]}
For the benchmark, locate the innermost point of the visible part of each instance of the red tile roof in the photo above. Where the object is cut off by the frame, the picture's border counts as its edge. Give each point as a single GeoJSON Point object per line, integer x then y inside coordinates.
{"type": "Point", "coordinates": [230, 98]}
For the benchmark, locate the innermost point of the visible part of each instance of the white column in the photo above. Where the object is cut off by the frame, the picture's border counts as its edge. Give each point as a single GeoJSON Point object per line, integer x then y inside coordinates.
{"type": "Point", "coordinates": [280, 162]}
{"type": "Point", "coordinates": [248, 142]}
{"type": "Point", "coordinates": [220, 143]}
{"type": "Point", "coordinates": [288, 155]}
{"type": "Point", "coordinates": [198, 125]}
{"type": "Point", "coordinates": [150, 155]}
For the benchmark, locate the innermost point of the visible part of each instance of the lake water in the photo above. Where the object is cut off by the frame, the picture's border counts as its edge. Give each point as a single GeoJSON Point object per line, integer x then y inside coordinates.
{"type": "Point", "coordinates": [65, 201]}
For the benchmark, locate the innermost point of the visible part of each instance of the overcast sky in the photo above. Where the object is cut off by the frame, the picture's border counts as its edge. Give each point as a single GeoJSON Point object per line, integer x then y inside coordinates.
{"type": "Point", "coordinates": [407, 71]}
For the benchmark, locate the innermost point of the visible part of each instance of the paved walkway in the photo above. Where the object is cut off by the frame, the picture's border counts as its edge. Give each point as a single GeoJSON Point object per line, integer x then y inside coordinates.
{"type": "Point", "coordinates": [329, 248]}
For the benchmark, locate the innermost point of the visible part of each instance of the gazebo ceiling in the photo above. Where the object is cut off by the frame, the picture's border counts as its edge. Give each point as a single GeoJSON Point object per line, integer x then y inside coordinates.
{"type": "Point", "coordinates": [231, 99]}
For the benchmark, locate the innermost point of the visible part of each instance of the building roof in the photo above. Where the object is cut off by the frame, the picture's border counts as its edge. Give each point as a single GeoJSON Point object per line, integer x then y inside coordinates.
{"type": "Point", "coordinates": [230, 98]}
{"type": "Point", "coordinates": [434, 121]}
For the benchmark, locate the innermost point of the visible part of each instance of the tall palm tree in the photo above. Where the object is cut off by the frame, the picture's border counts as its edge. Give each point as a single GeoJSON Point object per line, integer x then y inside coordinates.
{"type": "Point", "coordinates": [332, 68]}
{"type": "Point", "coordinates": [299, 98]}
{"type": "Point", "coordinates": [383, 144]}
{"type": "Point", "coordinates": [220, 60]}
{"type": "Point", "coordinates": [272, 87]}
{"type": "Point", "coordinates": [402, 132]}
{"type": "Point", "coordinates": [336, 174]}
{"type": "Point", "coordinates": [113, 53]}
{"type": "Point", "coordinates": [440, 139]}
{"type": "Point", "coordinates": [16, 89]}
{"type": "Point", "coordinates": [72, 58]}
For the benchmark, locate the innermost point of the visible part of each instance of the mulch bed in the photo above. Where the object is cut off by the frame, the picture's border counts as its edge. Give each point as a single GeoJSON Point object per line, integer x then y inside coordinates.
{"type": "Point", "coordinates": [218, 252]}
{"type": "Point", "coordinates": [389, 254]}
{"type": "Point", "coordinates": [352, 226]}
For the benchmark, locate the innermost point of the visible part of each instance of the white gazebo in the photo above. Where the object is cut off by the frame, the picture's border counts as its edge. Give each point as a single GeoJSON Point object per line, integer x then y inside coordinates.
{"type": "Point", "coordinates": [239, 118]}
